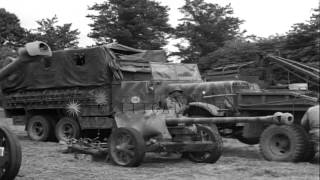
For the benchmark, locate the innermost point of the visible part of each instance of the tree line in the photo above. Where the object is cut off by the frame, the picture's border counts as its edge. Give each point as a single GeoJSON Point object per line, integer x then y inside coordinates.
{"type": "Point", "coordinates": [210, 32]}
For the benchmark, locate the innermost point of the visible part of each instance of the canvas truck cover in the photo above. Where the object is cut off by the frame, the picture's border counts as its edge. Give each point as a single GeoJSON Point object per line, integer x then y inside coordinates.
{"type": "Point", "coordinates": [136, 60]}
{"type": "Point", "coordinates": [66, 68]}
{"type": "Point", "coordinates": [175, 71]}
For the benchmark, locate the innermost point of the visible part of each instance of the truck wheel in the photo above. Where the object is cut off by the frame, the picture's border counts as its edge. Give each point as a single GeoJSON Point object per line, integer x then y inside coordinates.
{"type": "Point", "coordinates": [126, 147]}
{"type": "Point", "coordinates": [39, 128]}
{"type": "Point", "coordinates": [206, 133]}
{"type": "Point", "coordinates": [67, 128]}
{"type": "Point", "coordinates": [10, 154]}
{"type": "Point", "coordinates": [283, 143]}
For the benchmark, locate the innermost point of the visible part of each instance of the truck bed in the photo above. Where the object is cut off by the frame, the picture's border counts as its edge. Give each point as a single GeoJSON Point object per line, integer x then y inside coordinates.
{"type": "Point", "coordinates": [286, 101]}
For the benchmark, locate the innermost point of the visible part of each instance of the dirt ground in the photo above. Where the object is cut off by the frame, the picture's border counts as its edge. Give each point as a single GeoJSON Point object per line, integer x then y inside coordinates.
{"type": "Point", "coordinates": [44, 160]}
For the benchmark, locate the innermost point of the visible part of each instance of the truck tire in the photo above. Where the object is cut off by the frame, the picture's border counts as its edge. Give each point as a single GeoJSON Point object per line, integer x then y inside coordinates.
{"type": "Point", "coordinates": [210, 135]}
{"type": "Point", "coordinates": [126, 147]}
{"type": "Point", "coordinates": [39, 128]}
{"type": "Point", "coordinates": [11, 161]}
{"type": "Point", "coordinates": [67, 128]}
{"type": "Point", "coordinates": [283, 143]}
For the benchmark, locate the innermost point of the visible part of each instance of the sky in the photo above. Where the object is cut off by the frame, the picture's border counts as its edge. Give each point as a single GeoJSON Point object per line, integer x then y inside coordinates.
{"type": "Point", "coordinates": [262, 17]}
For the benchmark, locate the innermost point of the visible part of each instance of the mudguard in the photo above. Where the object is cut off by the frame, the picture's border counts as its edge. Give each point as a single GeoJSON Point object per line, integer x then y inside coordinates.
{"type": "Point", "coordinates": [212, 109]}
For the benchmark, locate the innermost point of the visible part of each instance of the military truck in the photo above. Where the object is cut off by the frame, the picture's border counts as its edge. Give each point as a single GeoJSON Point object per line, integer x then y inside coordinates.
{"type": "Point", "coordinates": [101, 90]}
{"type": "Point", "coordinates": [278, 84]}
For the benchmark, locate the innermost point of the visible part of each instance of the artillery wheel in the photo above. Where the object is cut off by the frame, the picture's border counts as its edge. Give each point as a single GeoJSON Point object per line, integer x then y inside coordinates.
{"type": "Point", "coordinates": [10, 154]}
{"type": "Point", "coordinates": [66, 128]}
{"type": "Point", "coordinates": [39, 128]}
{"type": "Point", "coordinates": [126, 147]}
{"type": "Point", "coordinates": [205, 133]}
{"type": "Point", "coordinates": [284, 143]}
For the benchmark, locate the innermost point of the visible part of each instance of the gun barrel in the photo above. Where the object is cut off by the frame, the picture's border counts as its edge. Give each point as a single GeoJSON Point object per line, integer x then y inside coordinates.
{"type": "Point", "coordinates": [277, 118]}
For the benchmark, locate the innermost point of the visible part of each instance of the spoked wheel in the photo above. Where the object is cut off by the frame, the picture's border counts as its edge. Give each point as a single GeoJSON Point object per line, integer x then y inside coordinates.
{"type": "Point", "coordinates": [126, 147]}
{"type": "Point", "coordinates": [284, 143]}
{"type": "Point", "coordinates": [66, 128]}
{"type": "Point", "coordinates": [206, 133]}
{"type": "Point", "coordinates": [39, 128]}
{"type": "Point", "coordinates": [10, 154]}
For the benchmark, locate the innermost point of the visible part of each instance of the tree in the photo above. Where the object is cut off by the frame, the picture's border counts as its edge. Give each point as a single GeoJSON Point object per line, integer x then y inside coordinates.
{"type": "Point", "coordinates": [11, 33]}
{"type": "Point", "coordinates": [272, 45]}
{"type": "Point", "coordinates": [5, 52]}
{"type": "Point", "coordinates": [136, 23]}
{"type": "Point", "coordinates": [57, 37]}
{"type": "Point", "coordinates": [303, 40]}
{"type": "Point", "coordinates": [206, 27]}
{"type": "Point", "coordinates": [234, 51]}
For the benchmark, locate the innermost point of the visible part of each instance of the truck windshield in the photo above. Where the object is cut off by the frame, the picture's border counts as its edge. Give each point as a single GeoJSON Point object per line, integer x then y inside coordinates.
{"type": "Point", "coordinates": [175, 71]}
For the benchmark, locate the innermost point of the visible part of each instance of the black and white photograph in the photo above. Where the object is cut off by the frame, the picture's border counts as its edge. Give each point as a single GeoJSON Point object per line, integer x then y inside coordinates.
{"type": "Point", "coordinates": [159, 89]}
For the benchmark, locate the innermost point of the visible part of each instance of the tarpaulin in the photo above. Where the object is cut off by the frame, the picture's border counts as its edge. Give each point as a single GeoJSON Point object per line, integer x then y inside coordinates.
{"type": "Point", "coordinates": [172, 71]}
{"type": "Point", "coordinates": [135, 60]}
{"type": "Point", "coordinates": [119, 47]}
{"type": "Point", "coordinates": [66, 68]}
{"type": "Point", "coordinates": [149, 55]}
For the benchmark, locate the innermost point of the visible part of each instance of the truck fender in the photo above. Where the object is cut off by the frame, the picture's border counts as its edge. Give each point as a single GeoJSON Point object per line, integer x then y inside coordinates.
{"type": "Point", "coordinates": [211, 109]}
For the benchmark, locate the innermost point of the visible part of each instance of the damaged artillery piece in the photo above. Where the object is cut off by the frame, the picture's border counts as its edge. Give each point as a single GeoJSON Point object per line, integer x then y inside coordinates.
{"type": "Point", "coordinates": [10, 148]}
